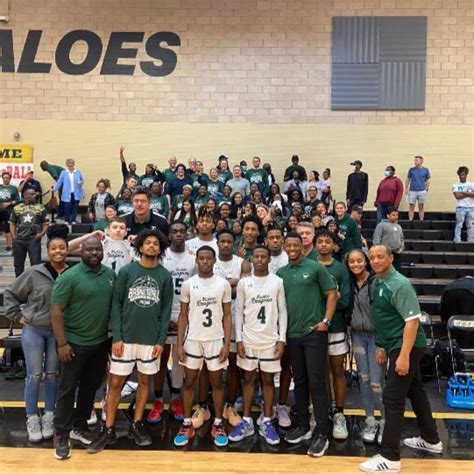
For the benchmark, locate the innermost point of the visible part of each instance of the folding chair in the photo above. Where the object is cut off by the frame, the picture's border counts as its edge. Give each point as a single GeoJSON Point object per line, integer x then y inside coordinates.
{"type": "Point", "coordinates": [461, 323]}
{"type": "Point", "coordinates": [427, 323]}
{"type": "Point", "coordinates": [460, 393]}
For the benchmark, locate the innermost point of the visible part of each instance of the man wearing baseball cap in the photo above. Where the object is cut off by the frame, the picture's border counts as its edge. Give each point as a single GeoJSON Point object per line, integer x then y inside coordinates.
{"type": "Point", "coordinates": [357, 186]}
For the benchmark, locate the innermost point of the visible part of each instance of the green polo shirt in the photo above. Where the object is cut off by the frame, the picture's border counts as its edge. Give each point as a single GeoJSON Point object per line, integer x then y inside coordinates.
{"type": "Point", "coordinates": [340, 275]}
{"type": "Point", "coordinates": [395, 302]}
{"type": "Point", "coordinates": [88, 299]}
{"type": "Point", "coordinates": [305, 285]}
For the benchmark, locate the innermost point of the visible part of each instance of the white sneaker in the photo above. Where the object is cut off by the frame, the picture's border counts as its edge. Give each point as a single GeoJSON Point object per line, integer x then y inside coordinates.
{"type": "Point", "coordinates": [419, 443]}
{"type": "Point", "coordinates": [369, 433]}
{"type": "Point", "coordinates": [93, 418]}
{"type": "Point", "coordinates": [284, 420]}
{"type": "Point", "coordinates": [129, 388]}
{"type": "Point", "coordinates": [380, 464]}
{"type": "Point", "coordinates": [33, 428]}
{"type": "Point", "coordinates": [47, 425]}
{"type": "Point", "coordinates": [339, 430]}
{"type": "Point", "coordinates": [380, 433]}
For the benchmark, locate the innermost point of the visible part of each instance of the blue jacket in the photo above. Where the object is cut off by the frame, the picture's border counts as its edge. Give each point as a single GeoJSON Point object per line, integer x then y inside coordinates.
{"type": "Point", "coordinates": [64, 183]}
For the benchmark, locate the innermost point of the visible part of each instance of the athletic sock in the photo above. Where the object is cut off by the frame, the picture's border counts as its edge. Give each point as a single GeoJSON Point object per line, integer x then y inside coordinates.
{"type": "Point", "coordinates": [187, 421]}
{"type": "Point", "coordinates": [218, 421]}
{"type": "Point", "coordinates": [266, 418]}
{"type": "Point", "coordinates": [159, 395]}
{"type": "Point", "coordinates": [175, 393]}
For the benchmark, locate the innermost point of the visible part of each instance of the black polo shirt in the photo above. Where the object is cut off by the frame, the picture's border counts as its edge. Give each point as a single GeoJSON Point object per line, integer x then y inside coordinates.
{"type": "Point", "coordinates": [154, 221]}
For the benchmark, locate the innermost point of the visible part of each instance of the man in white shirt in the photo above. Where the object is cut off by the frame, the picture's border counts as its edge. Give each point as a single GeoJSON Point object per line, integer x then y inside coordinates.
{"type": "Point", "coordinates": [464, 194]}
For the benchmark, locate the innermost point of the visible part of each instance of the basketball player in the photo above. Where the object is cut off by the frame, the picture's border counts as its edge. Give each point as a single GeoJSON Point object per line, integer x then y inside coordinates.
{"type": "Point", "coordinates": [204, 330]}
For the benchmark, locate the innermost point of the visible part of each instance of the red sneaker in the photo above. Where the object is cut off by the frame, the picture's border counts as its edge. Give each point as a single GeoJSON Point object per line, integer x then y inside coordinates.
{"type": "Point", "coordinates": [155, 414]}
{"type": "Point", "coordinates": [176, 408]}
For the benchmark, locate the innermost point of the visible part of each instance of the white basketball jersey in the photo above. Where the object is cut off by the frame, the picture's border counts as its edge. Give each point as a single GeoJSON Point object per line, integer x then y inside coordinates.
{"type": "Point", "coordinates": [193, 245]}
{"type": "Point", "coordinates": [261, 317]}
{"type": "Point", "coordinates": [205, 297]}
{"type": "Point", "coordinates": [182, 266]}
{"type": "Point", "coordinates": [117, 253]}
{"type": "Point", "coordinates": [278, 262]}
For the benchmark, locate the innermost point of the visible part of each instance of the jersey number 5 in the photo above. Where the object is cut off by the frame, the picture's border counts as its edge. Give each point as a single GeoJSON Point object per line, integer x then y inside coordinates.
{"type": "Point", "coordinates": [177, 285]}
{"type": "Point", "coordinates": [261, 315]}
{"type": "Point", "coordinates": [208, 322]}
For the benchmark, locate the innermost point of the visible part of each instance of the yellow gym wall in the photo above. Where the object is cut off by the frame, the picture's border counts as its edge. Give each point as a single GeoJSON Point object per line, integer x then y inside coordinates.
{"type": "Point", "coordinates": [95, 146]}
{"type": "Point", "coordinates": [252, 78]}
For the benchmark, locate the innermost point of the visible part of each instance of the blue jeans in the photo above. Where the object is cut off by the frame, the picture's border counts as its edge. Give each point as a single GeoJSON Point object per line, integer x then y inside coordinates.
{"type": "Point", "coordinates": [371, 374]}
{"type": "Point", "coordinates": [464, 214]}
{"type": "Point", "coordinates": [39, 347]}
{"type": "Point", "coordinates": [382, 210]}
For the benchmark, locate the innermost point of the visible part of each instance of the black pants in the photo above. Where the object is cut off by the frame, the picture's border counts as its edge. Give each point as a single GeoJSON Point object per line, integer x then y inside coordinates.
{"type": "Point", "coordinates": [31, 247]}
{"type": "Point", "coordinates": [308, 356]}
{"type": "Point", "coordinates": [85, 373]}
{"type": "Point", "coordinates": [395, 392]}
{"type": "Point", "coordinates": [397, 261]}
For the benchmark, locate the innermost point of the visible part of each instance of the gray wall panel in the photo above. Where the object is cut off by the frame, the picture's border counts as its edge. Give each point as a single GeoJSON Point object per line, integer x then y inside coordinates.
{"type": "Point", "coordinates": [355, 86]}
{"type": "Point", "coordinates": [402, 85]}
{"type": "Point", "coordinates": [355, 39]}
{"type": "Point", "coordinates": [403, 38]}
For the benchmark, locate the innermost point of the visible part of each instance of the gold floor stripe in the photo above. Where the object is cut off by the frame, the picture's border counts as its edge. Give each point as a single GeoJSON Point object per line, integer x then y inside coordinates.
{"type": "Point", "coordinates": [347, 411]}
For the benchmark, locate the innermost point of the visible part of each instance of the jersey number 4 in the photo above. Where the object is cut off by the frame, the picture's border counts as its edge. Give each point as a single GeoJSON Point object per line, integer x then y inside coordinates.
{"type": "Point", "coordinates": [208, 314]}
{"type": "Point", "coordinates": [261, 315]}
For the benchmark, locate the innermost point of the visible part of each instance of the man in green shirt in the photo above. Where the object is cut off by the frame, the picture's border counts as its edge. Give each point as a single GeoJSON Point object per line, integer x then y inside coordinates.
{"type": "Point", "coordinates": [54, 171]}
{"type": "Point", "coordinates": [337, 341]}
{"type": "Point", "coordinates": [9, 198]}
{"type": "Point", "coordinates": [397, 325]}
{"type": "Point", "coordinates": [307, 284]}
{"type": "Point", "coordinates": [259, 175]}
{"type": "Point", "coordinates": [80, 311]}
{"type": "Point", "coordinates": [28, 224]}
{"type": "Point", "coordinates": [141, 310]}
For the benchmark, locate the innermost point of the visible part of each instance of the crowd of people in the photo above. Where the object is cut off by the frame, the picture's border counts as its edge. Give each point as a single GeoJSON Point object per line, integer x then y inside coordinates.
{"type": "Point", "coordinates": [214, 273]}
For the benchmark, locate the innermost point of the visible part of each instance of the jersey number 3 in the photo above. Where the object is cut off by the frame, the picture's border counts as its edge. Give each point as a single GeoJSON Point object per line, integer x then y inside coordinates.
{"type": "Point", "coordinates": [208, 322]}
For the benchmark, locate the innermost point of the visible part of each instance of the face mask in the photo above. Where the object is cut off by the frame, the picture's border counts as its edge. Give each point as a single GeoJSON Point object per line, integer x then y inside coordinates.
{"type": "Point", "coordinates": [244, 168]}
{"type": "Point", "coordinates": [387, 173]}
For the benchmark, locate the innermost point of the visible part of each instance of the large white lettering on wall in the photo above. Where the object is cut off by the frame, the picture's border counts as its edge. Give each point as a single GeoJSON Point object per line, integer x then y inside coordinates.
{"type": "Point", "coordinates": [163, 59]}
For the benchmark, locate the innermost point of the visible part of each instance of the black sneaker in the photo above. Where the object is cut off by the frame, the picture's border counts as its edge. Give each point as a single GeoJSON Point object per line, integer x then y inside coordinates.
{"type": "Point", "coordinates": [298, 434]}
{"type": "Point", "coordinates": [105, 436]}
{"type": "Point", "coordinates": [63, 448]}
{"type": "Point", "coordinates": [318, 446]}
{"type": "Point", "coordinates": [82, 435]}
{"type": "Point", "coordinates": [139, 434]}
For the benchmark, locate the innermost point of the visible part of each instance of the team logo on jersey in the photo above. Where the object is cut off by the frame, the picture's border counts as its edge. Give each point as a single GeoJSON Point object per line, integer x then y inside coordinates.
{"type": "Point", "coordinates": [207, 301]}
{"type": "Point", "coordinates": [261, 299]}
{"type": "Point", "coordinates": [144, 292]}
{"type": "Point", "coordinates": [305, 276]}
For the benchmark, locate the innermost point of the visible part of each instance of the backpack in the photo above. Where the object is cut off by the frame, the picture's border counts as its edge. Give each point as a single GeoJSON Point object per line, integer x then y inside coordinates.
{"type": "Point", "coordinates": [443, 353]}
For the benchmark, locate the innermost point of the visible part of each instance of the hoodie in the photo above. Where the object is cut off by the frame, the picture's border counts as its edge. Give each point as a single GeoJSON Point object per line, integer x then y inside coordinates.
{"type": "Point", "coordinates": [30, 296]}
{"type": "Point", "coordinates": [389, 234]}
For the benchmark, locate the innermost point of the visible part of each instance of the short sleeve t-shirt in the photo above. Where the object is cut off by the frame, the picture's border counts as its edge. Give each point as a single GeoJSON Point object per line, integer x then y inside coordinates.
{"type": "Point", "coordinates": [464, 188]}
{"type": "Point", "coordinates": [305, 285]}
{"type": "Point", "coordinates": [88, 298]}
{"type": "Point", "coordinates": [29, 220]}
{"type": "Point", "coordinates": [418, 178]}
{"type": "Point", "coordinates": [205, 297]}
{"type": "Point", "coordinates": [394, 303]}
{"type": "Point", "coordinates": [193, 245]}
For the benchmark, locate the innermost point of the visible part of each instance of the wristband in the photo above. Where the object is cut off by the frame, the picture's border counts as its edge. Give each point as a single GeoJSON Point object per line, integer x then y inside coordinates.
{"type": "Point", "coordinates": [62, 345]}
{"type": "Point", "coordinates": [327, 322]}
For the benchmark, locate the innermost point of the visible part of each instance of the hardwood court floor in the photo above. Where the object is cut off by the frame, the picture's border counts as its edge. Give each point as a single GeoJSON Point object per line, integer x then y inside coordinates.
{"type": "Point", "coordinates": [24, 460]}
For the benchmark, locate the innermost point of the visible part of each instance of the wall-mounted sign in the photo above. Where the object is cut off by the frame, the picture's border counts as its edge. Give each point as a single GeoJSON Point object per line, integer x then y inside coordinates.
{"type": "Point", "coordinates": [17, 160]}
{"type": "Point", "coordinates": [162, 61]}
